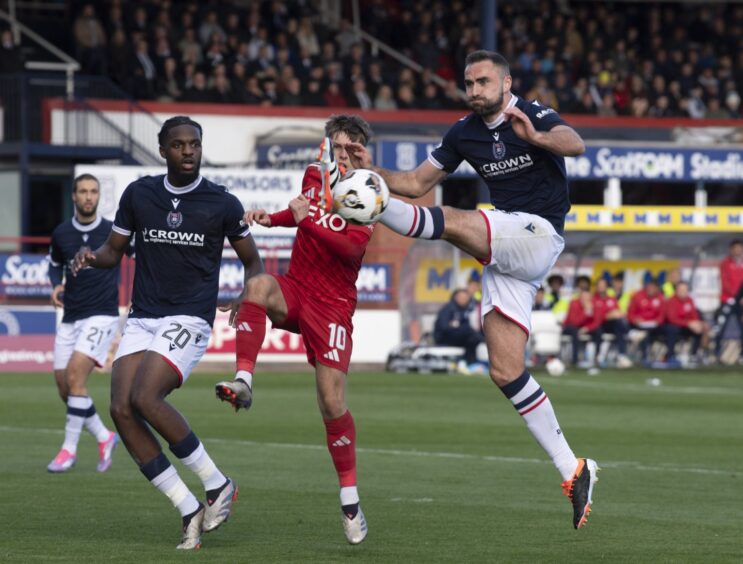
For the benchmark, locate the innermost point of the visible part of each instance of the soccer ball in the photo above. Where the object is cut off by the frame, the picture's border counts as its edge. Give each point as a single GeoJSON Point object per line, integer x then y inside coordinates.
{"type": "Point", "coordinates": [361, 196]}
{"type": "Point", "coordinates": [555, 367]}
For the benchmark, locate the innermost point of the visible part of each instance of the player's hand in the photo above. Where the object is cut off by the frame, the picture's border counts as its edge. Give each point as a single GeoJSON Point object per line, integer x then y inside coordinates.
{"type": "Point", "coordinates": [56, 295]}
{"type": "Point", "coordinates": [359, 155]}
{"type": "Point", "coordinates": [521, 124]}
{"type": "Point", "coordinates": [261, 217]}
{"type": "Point", "coordinates": [300, 208]}
{"type": "Point", "coordinates": [83, 258]}
{"type": "Point", "coordinates": [233, 307]}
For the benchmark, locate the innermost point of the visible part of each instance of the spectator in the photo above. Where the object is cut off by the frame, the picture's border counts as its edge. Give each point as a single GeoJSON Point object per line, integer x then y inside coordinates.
{"type": "Point", "coordinates": [10, 56]}
{"type": "Point", "coordinates": [359, 96]}
{"type": "Point", "coordinates": [683, 321]}
{"type": "Point", "coordinates": [452, 327]}
{"type": "Point", "coordinates": [385, 99]}
{"type": "Point", "coordinates": [405, 97]}
{"type": "Point", "coordinates": [307, 37]}
{"type": "Point", "coordinates": [558, 303]}
{"type": "Point", "coordinates": [168, 87]}
{"type": "Point", "coordinates": [209, 27]}
{"type": "Point", "coordinates": [292, 94]}
{"type": "Point", "coordinates": [198, 91]}
{"type": "Point", "coordinates": [145, 74]}
{"type": "Point", "coordinates": [90, 40]}
{"type": "Point", "coordinates": [190, 48]}
{"type": "Point", "coordinates": [732, 104]}
{"type": "Point", "coordinates": [333, 96]}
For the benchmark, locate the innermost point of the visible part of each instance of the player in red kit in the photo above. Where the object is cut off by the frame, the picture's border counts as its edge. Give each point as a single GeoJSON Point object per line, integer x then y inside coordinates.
{"type": "Point", "coordinates": [647, 312]}
{"type": "Point", "coordinates": [316, 298]}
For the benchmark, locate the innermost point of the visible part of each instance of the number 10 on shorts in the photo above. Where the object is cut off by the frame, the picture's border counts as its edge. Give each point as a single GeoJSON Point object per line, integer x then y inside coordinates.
{"type": "Point", "coordinates": [337, 338]}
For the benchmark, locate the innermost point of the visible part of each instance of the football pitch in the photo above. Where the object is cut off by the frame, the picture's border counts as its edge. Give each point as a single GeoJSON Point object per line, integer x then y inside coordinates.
{"type": "Point", "coordinates": [447, 473]}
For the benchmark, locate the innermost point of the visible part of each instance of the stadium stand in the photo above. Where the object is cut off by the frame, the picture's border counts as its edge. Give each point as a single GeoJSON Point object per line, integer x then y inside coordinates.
{"type": "Point", "coordinates": [625, 59]}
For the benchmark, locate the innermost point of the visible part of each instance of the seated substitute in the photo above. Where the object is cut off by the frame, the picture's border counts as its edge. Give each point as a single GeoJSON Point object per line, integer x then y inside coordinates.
{"type": "Point", "coordinates": [453, 328]}
{"type": "Point", "coordinates": [683, 321]}
{"type": "Point", "coordinates": [647, 312]}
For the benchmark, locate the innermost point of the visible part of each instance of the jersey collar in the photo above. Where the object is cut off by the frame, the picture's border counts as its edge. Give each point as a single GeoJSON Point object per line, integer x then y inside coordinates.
{"type": "Point", "coordinates": [84, 227]}
{"type": "Point", "coordinates": [501, 118]}
{"type": "Point", "coordinates": [181, 189]}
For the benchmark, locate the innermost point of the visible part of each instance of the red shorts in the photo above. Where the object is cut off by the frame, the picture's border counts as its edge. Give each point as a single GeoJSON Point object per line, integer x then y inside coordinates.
{"type": "Point", "coordinates": [326, 327]}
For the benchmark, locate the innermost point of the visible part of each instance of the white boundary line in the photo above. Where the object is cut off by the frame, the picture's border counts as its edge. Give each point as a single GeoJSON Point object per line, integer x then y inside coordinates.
{"type": "Point", "coordinates": [628, 465]}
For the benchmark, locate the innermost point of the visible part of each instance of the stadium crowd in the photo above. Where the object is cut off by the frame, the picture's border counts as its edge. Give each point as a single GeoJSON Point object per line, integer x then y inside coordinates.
{"type": "Point", "coordinates": [629, 58]}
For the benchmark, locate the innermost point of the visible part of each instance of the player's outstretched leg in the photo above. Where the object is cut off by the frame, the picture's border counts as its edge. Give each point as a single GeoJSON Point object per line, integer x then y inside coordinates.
{"type": "Point", "coordinates": [164, 477]}
{"type": "Point", "coordinates": [221, 491]}
{"type": "Point", "coordinates": [341, 440]}
{"type": "Point", "coordinates": [410, 220]}
{"type": "Point", "coordinates": [250, 324]}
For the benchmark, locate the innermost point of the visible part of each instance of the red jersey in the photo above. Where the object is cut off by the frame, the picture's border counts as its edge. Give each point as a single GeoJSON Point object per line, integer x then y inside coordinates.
{"type": "Point", "coordinates": [602, 305]}
{"type": "Point", "coordinates": [577, 316]}
{"type": "Point", "coordinates": [645, 309]}
{"type": "Point", "coordinates": [731, 278]}
{"type": "Point", "coordinates": [680, 312]}
{"type": "Point", "coordinates": [327, 252]}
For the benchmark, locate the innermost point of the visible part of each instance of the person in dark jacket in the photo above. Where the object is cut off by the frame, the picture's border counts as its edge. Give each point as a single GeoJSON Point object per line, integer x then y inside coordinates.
{"type": "Point", "coordinates": [453, 326]}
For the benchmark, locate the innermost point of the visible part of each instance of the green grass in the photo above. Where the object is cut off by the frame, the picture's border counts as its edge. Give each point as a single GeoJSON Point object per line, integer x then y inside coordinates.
{"type": "Point", "coordinates": [448, 473]}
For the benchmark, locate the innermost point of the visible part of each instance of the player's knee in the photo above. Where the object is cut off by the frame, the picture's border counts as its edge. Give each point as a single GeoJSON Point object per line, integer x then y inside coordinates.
{"type": "Point", "coordinates": [121, 411]}
{"type": "Point", "coordinates": [144, 402]}
{"type": "Point", "coordinates": [259, 288]}
{"type": "Point", "coordinates": [331, 405]}
{"type": "Point", "coordinates": [502, 374]}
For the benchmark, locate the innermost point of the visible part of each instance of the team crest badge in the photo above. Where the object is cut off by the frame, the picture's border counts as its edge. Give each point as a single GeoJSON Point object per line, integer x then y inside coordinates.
{"type": "Point", "coordinates": [175, 219]}
{"type": "Point", "coordinates": [499, 150]}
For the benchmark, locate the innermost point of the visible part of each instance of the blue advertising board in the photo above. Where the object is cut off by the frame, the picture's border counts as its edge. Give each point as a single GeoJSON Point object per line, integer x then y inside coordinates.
{"type": "Point", "coordinates": [599, 162]}
{"type": "Point", "coordinates": [24, 275]}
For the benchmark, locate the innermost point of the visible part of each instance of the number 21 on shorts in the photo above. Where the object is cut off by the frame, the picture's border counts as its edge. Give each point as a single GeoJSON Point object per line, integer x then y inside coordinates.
{"type": "Point", "coordinates": [337, 336]}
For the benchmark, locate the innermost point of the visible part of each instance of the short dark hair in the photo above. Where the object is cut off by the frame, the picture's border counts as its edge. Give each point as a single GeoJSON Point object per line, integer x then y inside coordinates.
{"type": "Point", "coordinates": [555, 278]}
{"type": "Point", "coordinates": [496, 58]}
{"type": "Point", "coordinates": [736, 242]}
{"type": "Point", "coordinates": [357, 129]}
{"type": "Point", "coordinates": [80, 178]}
{"type": "Point", "coordinates": [176, 121]}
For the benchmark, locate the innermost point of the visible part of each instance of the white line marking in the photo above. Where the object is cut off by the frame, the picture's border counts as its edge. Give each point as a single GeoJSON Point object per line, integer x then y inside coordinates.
{"type": "Point", "coordinates": [626, 464]}
{"type": "Point", "coordinates": [695, 390]}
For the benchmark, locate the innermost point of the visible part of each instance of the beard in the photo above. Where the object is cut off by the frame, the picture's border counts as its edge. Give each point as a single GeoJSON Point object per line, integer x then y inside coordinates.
{"type": "Point", "coordinates": [488, 107]}
{"type": "Point", "coordinates": [83, 214]}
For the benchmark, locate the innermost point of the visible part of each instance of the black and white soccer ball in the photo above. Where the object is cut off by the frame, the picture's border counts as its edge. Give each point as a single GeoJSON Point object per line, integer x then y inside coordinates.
{"type": "Point", "coordinates": [361, 196]}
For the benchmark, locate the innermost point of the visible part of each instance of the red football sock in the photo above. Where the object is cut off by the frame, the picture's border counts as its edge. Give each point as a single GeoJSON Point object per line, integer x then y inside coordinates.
{"type": "Point", "coordinates": [341, 436]}
{"type": "Point", "coordinates": [251, 330]}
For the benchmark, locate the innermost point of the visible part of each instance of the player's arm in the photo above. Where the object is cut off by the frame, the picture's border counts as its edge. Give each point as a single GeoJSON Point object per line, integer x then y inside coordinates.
{"type": "Point", "coordinates": [107, 255]}
{"type": "Point", "coordinates": [56, 272]}
{"type": "Point", "coordinates": [412, 184]}
{"type": "Point", "coordinates": [561, 139]}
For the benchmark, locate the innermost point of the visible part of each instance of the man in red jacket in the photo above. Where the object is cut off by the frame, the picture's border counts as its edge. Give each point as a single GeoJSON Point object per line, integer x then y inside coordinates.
{"type": "Point", "coordinates": [581, 321]}
{"type": "Point", "coordinates": [731, 272]}
{"type": "Point", "coordinates": [683, 321]}
{"type": "Point", "coordinates": [647, 312]}
{"type": "Point", "coordinates": [612, 320]}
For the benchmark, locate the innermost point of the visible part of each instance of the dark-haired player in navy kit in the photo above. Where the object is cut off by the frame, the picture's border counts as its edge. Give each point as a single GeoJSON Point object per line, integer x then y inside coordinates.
{"type": "Point", "coordinates": [181, 220]}
{"type": "Point", "coordinates": [518, 148]}
{"type": "Point", "coordinates": [89, 323]}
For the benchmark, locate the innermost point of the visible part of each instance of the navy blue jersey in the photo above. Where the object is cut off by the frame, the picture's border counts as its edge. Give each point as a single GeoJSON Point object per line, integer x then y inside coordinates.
{"type": "Point", "coordinates": [520, 176]}
{"type": "Point", "coordinates": [180, 237]}
{"type": "Point", "coordinates": [93, 291]}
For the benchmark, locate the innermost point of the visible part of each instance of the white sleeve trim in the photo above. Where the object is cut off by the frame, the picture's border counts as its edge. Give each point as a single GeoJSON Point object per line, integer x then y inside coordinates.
{"type": "Point", "coordinates": [435, 163]}
{"type": "Point", "coordinates": [121, 230]}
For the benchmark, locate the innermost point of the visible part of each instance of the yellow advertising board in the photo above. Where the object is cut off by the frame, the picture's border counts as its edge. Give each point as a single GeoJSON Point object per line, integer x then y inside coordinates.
{"type": "Point", "coordinates": [435, 279]}
{"type": "Point", "coordinates": [660, 218]}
